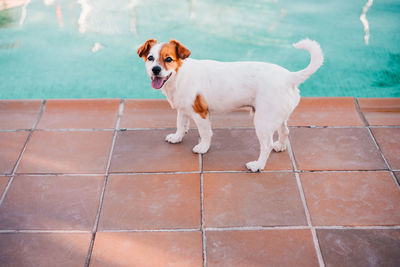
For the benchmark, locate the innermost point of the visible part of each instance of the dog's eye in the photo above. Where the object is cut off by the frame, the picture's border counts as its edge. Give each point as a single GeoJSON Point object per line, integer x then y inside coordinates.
{"type": "Point", "coordinates": [150, 58]}
{"type": "Point", "coordinates": [168, 59]}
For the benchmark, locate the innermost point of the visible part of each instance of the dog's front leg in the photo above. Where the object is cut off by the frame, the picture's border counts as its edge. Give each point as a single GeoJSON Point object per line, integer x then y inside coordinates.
{"type": "Point", "coordinates": [182, 127]}
{"type": "Point", "coordinates": [205, 132]}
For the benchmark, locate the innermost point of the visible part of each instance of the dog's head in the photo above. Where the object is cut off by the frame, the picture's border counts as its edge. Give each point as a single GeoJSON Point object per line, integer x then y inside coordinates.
{"type": "Point", "coordinates": [162, 60]}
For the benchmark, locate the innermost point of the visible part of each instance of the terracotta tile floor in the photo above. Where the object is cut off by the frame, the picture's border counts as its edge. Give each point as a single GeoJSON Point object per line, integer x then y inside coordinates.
{"type": "Point", "coordinates": [93, 183]}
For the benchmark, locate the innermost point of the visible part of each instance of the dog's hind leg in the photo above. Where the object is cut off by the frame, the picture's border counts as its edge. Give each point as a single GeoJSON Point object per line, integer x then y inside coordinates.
{"type": "Point", "coordinates": [283, 132]}
{"type": "Point", "coordinates": [265, 132]}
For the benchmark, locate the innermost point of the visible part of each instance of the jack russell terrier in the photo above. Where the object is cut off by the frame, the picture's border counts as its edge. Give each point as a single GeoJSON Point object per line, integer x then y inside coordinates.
{"type": "Point", "coordinates": [197, 88]}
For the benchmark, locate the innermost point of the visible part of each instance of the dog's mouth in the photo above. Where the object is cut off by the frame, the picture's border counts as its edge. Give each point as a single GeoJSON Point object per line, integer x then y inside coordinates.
{"type": "Point", "coordinates": [158, 82]}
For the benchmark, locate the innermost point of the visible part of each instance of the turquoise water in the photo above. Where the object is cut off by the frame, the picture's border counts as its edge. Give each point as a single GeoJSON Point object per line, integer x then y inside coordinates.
{"type": "Point", "coordinates": [87, 48]}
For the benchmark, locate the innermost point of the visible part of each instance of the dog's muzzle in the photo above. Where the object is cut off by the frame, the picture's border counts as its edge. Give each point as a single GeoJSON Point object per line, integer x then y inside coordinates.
{"type": "Point", "coordinates": [158, 82]}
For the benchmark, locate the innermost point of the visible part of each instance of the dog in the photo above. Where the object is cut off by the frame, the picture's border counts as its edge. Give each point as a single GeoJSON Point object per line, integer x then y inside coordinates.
{"type": "Point", "coordinates": [197, 88]}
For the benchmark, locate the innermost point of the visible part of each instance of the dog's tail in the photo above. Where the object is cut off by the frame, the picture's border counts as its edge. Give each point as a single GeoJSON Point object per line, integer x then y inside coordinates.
{"type": "Point", "coordinates": [317, 59]}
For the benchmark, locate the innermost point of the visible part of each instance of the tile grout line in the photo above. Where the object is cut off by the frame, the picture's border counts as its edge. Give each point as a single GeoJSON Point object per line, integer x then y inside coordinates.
{"type": "Point", "coordinates": [202, 228]}
{"type": "Point", "coordinates": [227, 228]}
{"type": "Point", "coordinates": [106, 175]}
{"type": "Point", "coordinates": [383, 157]}
{"type": "Point", "coordinates": [256, 228]}
{"type": "Point", "coordinates": [299, 227]}
{"type": "Point", "coordinates": [366, 124]}
{"type": "Point", "coordinates": [151, 230]}
{"type": "Point", "coordinates": [54, 231]}
{"type": "Point", "coordinates": [169, 128]}
{"type": "Point", "coordinates": [193, 172]}
{"type": "Point", "coordinates": [376, 143]}
{"type": "Point", "coordinates": [307, 213]}
{"type": "Point", "coordinates": [42, 107]}
{"type": "Point", "coordinates": [367, 227]}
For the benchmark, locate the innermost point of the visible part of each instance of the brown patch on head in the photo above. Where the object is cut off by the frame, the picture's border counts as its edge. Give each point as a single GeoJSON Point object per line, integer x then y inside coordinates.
{"type": "Point", "coordinates": [175, 52]}
{"type": "Point", "coordinates": [144, 50]}
{"type": "Point", "coordinates": [181, 50]}
{"type": "Point", "coordinates": [200, 106]}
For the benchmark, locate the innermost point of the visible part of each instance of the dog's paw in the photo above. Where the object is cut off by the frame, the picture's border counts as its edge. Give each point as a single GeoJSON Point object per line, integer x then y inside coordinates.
{"type": "Point", "coordinates": [254, 166]}
{"type": "Point", "coordinates": [173, 138]}
{"type": "Point", "coordinates": [279, 147]}
{"type": "Point", "coordinates": [201, 148]}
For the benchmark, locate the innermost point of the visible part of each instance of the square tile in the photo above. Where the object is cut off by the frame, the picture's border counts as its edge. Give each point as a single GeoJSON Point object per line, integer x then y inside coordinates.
{"type": "Point", "coordinates": [3, 183]}
{"type": "Point", "coordinates": [248, 199]}
{"type": "Point", "coordinates": [326, 111]}
{"type": "Point", "coordinates": [360, 247]}
{"type": "Point", "coordinates": [19, 114]}
{"type": "Point", "coordinates": [231, 149]}
{"type": "Point", "coordinates": [352, 198]}
{"type": "Point", "coordinates": [80, 114]}
{"type": "Point", "coordinates": [388, 140]}
{"type": "Point", "coordinates": [260, 248]}
{"type": "Point", "coordinates": [11, 145]}
{"type": "Point", "coordinates": [67, 152]}
{"type": "Point", "coordinates": [147, 151]}
{"type": "Point", "coordinates": [51, 202]}
{"type": "Point", "coordinates": [381, 111]}
{"type": "Point", "coordinates": [162, 201]}
{"type": "Point", "coordinates": [147, 249]}
{"type": "Point", "coordinates": [44, 249]}
{"type": "Point", "coordinates": [335, 149]}
{"type": "Point", "coordinates": [148, 113]}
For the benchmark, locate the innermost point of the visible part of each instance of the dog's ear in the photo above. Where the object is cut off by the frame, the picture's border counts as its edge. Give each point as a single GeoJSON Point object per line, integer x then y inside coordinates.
{"type": "Point", "coordinates": [144, 50]}
{"type": "Point", "coordinates": [181, 51]}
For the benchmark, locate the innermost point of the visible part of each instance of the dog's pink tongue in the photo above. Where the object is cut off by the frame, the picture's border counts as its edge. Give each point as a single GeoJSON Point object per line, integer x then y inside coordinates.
{"type": "Point", "coordinates": [157, 82]}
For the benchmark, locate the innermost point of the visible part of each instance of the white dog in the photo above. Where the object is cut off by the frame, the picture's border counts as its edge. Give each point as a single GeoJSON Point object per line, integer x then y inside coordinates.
{"type": "Point", "coordinates": [199, 87]}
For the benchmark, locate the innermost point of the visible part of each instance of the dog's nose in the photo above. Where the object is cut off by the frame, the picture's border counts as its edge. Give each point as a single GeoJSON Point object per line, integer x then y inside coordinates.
{"type": "Point", "coordinates": [156, 70]}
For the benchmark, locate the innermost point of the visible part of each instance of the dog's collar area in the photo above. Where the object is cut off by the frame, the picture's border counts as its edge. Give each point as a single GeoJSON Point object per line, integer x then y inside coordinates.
{"type": "Point", "coordinates": [158, 82]}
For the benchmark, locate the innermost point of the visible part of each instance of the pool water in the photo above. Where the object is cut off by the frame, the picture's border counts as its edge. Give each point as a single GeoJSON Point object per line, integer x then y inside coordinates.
{"type": "Point", "coordinates": [87, 48]}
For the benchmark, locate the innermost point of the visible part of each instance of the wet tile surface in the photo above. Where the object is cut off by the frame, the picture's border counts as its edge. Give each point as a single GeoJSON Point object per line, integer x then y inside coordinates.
{"type": "Point", "coordinates": [388, 140]}
{"type": "Point", "coordinates": [260, 248]}
{"type": "Point", "coordinates": [164, 201]}
{"type": "Point", "coordinates": [164, 205]}
{"type": "Point", "coordinates": [67, 152]}
{"type": "Point", "coordinates": [79, 114]}
{"type": "Point", "coordinates": [352, 198]}
{"type": "Point", "coordinates": [44, 249]}
{"type": "Point", "coordinates": [147, 151]}
{"type": "Point", "coordinates": [51, 202]}
{"type": "Point", "coordinates": [231, 149]}
{"type": "Point", "coordinates": [19, 114]}
{"type": "Point", "coordinates": [381, 111]}
{"type": "Point", "coordinates": [326, 111]}
{"type": "Point", "coordinates": [247, 199]}
{"type": "Point", "coordinates": [335, 149]}
{"type": "Point", "coordinates": [11, 145]}
{"type": "Point", "coordinates": [147, 249]}
{"type": "Point", "coordinates": [363, 248]}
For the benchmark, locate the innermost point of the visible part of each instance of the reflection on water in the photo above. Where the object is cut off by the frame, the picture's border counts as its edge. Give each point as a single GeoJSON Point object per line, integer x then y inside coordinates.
{"type": "Point", "coordinates": [364, 20]}
{"type": "Point", "coordinates": [85, 10]}
{"type": "Point", "coordinates": [23, 12]}
{"type": "Point", "coordinates": [132, 7]}
{"type": "Point", "coordinates": [96, 47]}
{"type": "Point", "coordinates": [192, 9]}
